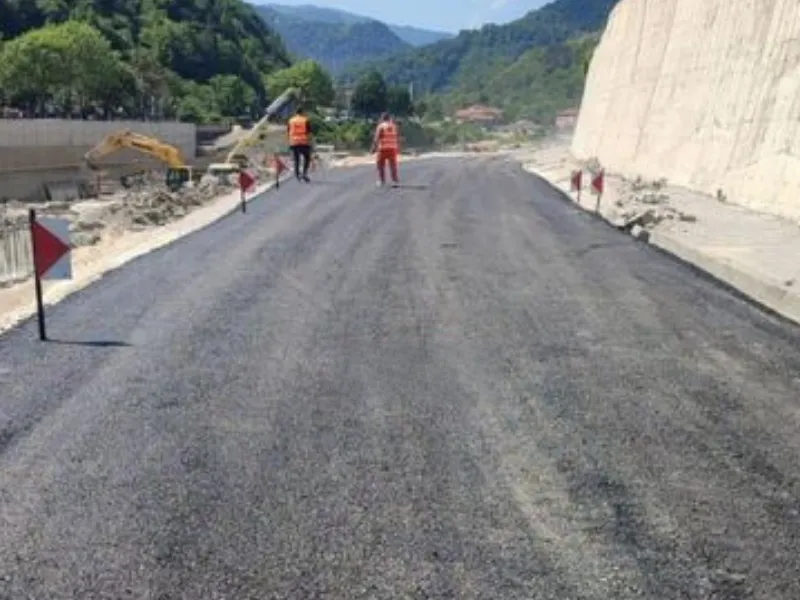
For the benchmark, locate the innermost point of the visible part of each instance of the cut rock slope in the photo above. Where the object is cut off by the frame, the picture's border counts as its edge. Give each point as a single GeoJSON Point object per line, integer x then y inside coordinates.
{"type": "Point", "coordinates": [705, 94]}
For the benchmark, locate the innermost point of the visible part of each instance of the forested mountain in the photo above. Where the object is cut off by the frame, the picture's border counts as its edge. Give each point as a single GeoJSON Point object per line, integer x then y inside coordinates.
{"type": "Point", "coordinates": [419, 37]}
{"type": "Point", "coordinates": [481, 53]}
{"type": "Point", "coordinates": [531, 67]}
{"type": "Point", "coordinates": [154, 57]}
{"type": "Point", "coordinates": [336, 42]}
{"type": "Point", "coordinates": [414, 36]}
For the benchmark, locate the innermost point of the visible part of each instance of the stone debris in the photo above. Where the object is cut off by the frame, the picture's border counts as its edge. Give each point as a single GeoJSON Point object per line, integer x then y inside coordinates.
{"type": "Point", "coordinates": [643, 205]}
{"type": "Point", "coordinates": [150, 203]}
{"type": "Point", "coordinates": [144, 202]}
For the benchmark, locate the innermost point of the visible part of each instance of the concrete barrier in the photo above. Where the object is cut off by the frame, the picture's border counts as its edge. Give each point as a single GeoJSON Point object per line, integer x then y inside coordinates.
{"type": "Point", "coordinates": [16, 255]}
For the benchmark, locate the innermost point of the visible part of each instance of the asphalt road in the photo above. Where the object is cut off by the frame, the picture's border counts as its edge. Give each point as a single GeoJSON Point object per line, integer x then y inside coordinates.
{"type": "Point", "coordinates": [465, 388]}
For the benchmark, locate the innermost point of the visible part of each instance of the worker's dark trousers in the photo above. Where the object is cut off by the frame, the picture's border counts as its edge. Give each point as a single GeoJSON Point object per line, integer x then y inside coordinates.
{"type": "Point", "coordinates": [303, 150]}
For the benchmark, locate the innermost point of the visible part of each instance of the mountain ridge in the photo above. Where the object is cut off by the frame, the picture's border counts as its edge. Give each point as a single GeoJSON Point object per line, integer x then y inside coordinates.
{"type": "Point", "coordinates": [334, 44]}
{"type": "Point", "coordinates": [412, 35]}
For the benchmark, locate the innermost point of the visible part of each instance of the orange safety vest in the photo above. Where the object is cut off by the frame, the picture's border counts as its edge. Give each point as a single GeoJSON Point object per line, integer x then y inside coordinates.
{"type": "Point", "coordinates": [388, 138]}
{"type": "Point", "coordinates": [298, 131]}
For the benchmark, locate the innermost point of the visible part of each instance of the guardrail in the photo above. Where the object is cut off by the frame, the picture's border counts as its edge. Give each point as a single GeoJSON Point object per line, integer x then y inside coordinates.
{"type": "Point", "coordinates": [16, 254]}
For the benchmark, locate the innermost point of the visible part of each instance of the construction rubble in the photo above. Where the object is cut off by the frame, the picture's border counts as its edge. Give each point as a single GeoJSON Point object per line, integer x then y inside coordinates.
{"type": "Point", "coordinates": [644, 205]}
{"type": "Point", "coordinates": [145, 202]}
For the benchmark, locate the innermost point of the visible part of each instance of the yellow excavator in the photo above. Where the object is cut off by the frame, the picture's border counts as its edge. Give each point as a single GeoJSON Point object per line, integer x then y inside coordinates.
{"type": "Point", "coordinates": [265, 133]}
{"type": "Point", "coordinates": [178, 172]}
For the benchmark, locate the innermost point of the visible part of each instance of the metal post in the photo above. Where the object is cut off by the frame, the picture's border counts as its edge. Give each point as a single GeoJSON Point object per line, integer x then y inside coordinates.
{"type": "Point", "coordinates": [37, 281]}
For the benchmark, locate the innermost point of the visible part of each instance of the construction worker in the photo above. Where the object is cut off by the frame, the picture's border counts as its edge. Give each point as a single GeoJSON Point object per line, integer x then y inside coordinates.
{"type": "Point", "coordinates": [387, 145]}
{"type": "Point", "coordinates": [299, 130]}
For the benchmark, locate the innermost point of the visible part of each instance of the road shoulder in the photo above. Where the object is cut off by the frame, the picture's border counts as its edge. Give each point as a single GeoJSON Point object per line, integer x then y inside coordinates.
{"type": "Point", "coordinates": [750, 251]}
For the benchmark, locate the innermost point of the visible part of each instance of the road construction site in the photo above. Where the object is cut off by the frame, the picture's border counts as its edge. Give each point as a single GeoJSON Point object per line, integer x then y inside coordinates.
{"type": "Point", "coordinates": [466, 387]}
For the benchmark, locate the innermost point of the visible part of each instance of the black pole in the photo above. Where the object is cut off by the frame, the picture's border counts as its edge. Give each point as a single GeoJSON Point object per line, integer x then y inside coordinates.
{"type": "Point", "coordinates": [37, 281]}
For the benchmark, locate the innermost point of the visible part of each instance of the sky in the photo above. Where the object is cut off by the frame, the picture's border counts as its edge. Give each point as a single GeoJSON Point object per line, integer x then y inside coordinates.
{"type": "Point", "coordinates": [442, 15]}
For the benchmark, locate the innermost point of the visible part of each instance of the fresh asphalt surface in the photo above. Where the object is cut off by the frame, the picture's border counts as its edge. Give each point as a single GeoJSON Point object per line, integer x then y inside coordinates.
{"type": "Point", "coordinates": [466, 388]}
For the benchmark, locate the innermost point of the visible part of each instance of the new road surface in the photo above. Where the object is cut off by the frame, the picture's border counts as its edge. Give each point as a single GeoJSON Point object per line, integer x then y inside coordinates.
{"type": "Point", "coordinates": [463, 388]}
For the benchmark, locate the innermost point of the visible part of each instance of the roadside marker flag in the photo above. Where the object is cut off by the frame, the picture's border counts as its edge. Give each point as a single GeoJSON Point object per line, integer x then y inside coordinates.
{"type": "Point", "coordinates": [52, 257]}
{"type": "Point", "coordinates": [598, 185]}
{"type": "Point", "coordinates": [246, 181]}
{"type": "Point", "coordinates": [576, 181]}
{"type": "Point", "coordinates": [598, 182]}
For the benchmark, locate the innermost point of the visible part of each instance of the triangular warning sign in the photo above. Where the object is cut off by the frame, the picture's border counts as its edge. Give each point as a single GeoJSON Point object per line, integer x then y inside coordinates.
{"type": "Point", "coordinates": [48, 249]}
{"type": "Point", "coordinates": [597, 182]}
{"type": "Point", "coordinates": [576, 182]}
{"type": "Point", "coordinates": [280, 166]}
{"type": "Point", "coordinates": [246, 181]}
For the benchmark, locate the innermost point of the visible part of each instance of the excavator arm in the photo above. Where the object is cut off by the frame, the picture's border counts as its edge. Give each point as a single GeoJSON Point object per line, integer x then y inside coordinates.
{"type": "Point", "coordinates": [265, 128]}
{"type": "Point", "coordinates": [169, 155]}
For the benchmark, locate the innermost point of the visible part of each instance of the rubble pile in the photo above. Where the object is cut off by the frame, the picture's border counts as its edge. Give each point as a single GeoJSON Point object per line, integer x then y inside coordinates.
{"type": "Point", "coordinates": [148, 201]}
{"type": "Point", "coordinates": [644, 204]}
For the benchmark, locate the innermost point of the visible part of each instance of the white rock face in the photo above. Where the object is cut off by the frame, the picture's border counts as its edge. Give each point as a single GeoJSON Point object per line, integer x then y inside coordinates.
{"type": "Point", "coordinates": [703, 92]}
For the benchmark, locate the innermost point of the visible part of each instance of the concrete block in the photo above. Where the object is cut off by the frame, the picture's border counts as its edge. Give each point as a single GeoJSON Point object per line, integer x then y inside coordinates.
{"type": "Point", "coordinates": [16, 255]}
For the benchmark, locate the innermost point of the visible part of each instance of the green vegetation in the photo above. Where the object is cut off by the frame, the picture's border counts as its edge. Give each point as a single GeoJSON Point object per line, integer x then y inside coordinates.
{"type": "Point", "coordinates": [357, 134]}
{"type": "Point", "coordinates": [186, 59]}
{"type": "Point", "coordinates": [373, 96]}
{"type": "Point", "coordinates": [536, 86]}
{"type": "Point", "coordinates": [531, 67]}
{"type": "Point", "coordinates": [335, 45]}
{"type": "Point", "coordinates": [310, 78]}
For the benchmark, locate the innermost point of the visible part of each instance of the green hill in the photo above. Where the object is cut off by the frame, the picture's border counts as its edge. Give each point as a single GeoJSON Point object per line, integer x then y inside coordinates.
{"type": "Point", "coordinates": [531, 67]}
{"type": "Point", "coordinates": [177, 58]}
{"type": "Point", "coordinates": [318, 14]}
{"type": "Point", "coordinates": [335, 42]}
{"type": "Point", "coordinates": [413, 36]}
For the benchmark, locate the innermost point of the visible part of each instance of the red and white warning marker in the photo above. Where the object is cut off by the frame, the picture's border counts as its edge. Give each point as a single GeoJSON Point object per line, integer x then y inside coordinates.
{"type": "Point", "coordinates": [52, 256]}
{"type": "Point", "coordinates": [576, 183]}
{"type": "Point", "coordinates": [598, 182]}
{"type": "Point", "coordinates": [246, 182]}
{"type": "Point", "coordinates": [598, 185]}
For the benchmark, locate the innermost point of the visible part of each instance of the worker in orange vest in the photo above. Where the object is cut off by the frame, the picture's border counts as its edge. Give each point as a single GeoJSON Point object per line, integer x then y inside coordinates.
{"type": "Point", "coordinates": [387, 145]}
{"type": "Point", "coordinates": [299, 130]}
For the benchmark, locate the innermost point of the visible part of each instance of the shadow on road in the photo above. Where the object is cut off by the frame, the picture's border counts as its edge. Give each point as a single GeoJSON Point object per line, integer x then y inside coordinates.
{"type": "Point", "coordinates": [92, 343]}
{"type": "Point", "coordinates": [404, 186]}
{"type": "Point", "coordinates": [599, 246]}
{"type": "Point", "coordinates": [327, 182]}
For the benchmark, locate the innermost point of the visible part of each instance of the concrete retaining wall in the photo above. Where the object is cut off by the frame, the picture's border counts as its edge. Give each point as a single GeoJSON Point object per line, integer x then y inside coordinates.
{"type": "Point", "coordinates": [16, 257]}
{"type": "Point", "coordinates": [704, 93]}
{"type": "Point", "coordinates": [42, 151]}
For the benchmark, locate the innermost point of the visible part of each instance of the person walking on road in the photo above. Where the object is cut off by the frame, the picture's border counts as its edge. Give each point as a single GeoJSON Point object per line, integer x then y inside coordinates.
{"type": "Point", "coordinates": [387, 145]}
{"type": "Point", "coordinates": [299, 130]}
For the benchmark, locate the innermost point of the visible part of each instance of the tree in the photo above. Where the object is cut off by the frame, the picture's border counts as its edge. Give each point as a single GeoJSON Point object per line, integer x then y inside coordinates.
{"type": "Point", "coordinates": [370, 95]}
{"type": "Point", "coordinates": [398, 101]}
{"type": "Point", "coordinates": [314, 83]}
{"type": "Point", "coordinates": [232, 96]}
{"type": "Point", "coordinates": [67, 65]}
{"type": "Point", "coordinates": [143, 55]}
{"type": "Point", "coordinates": [434, 109]}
